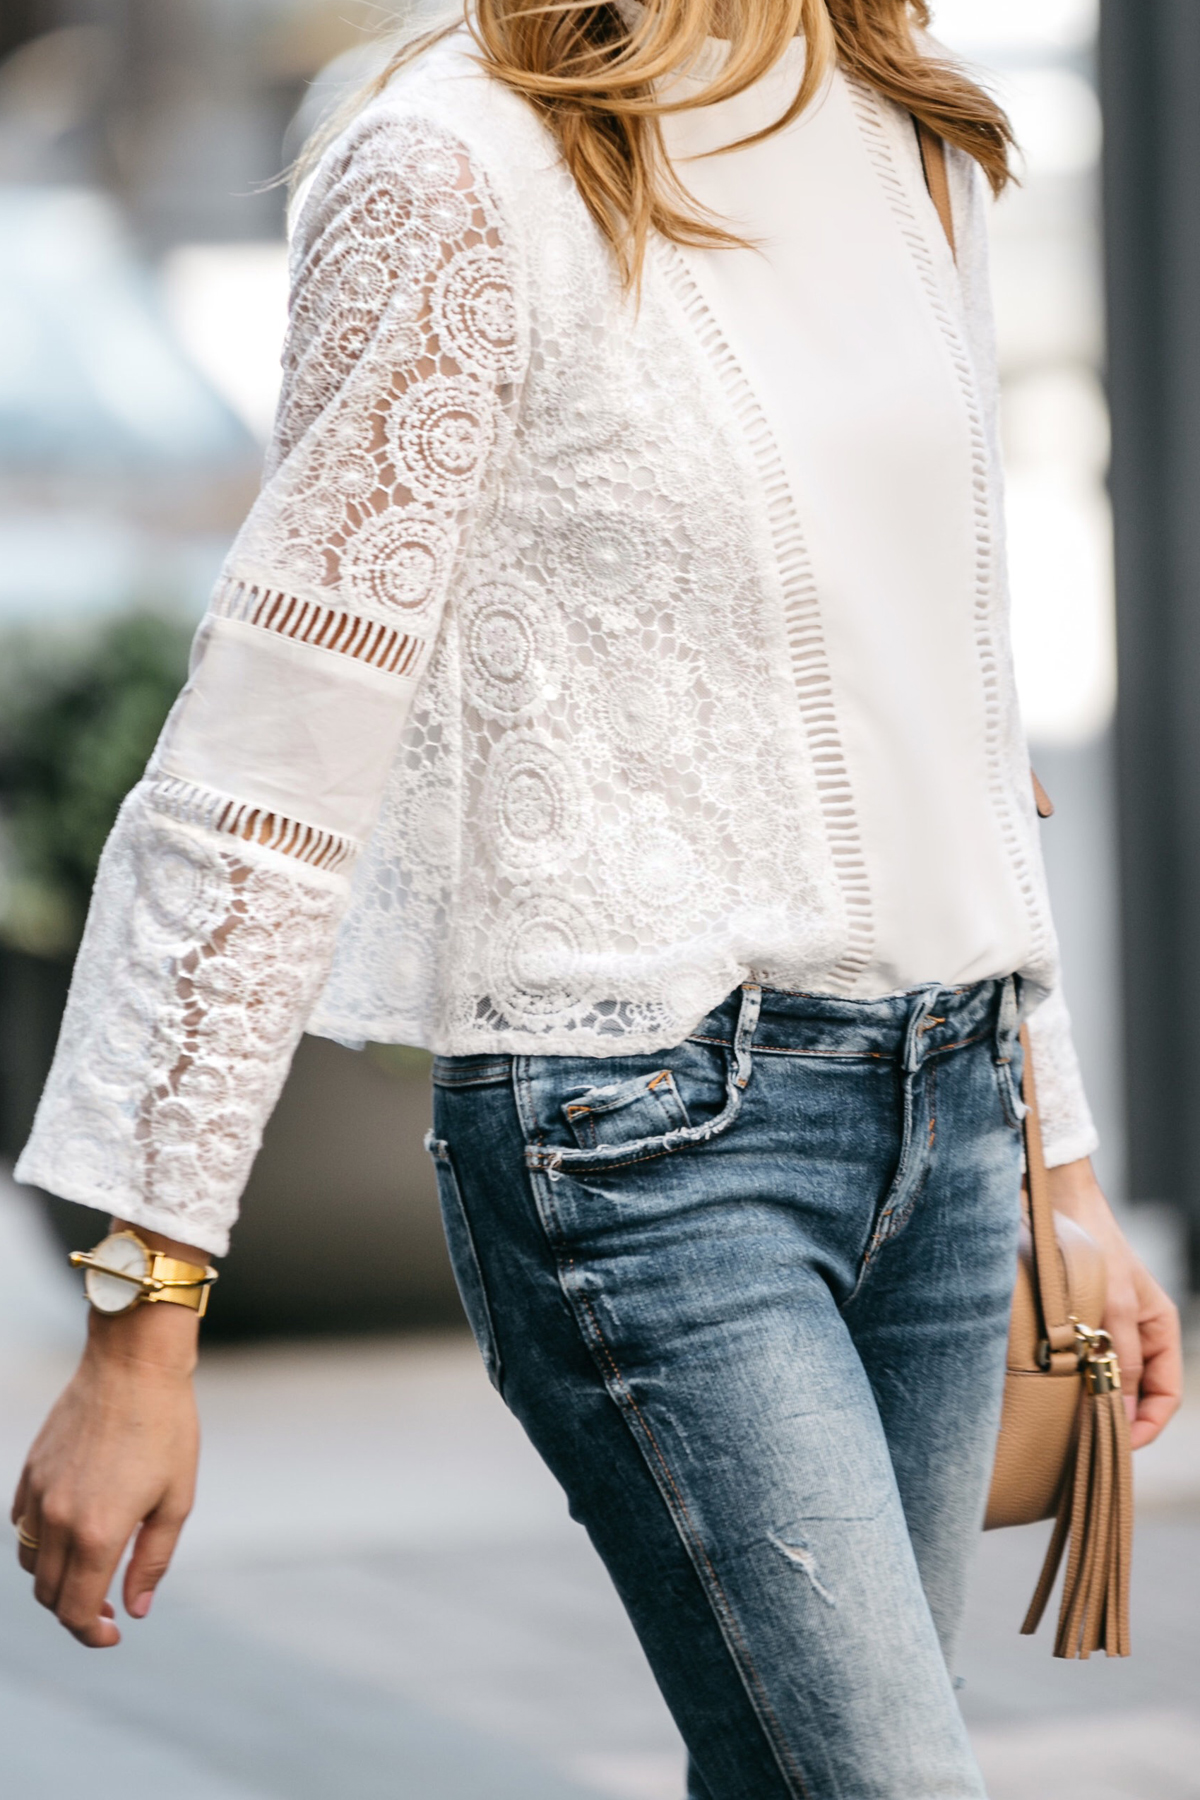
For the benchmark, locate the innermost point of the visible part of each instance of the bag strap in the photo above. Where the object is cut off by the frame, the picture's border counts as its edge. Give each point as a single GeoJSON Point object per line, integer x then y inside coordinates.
{"type": "Point", "coordinates": [1058, 1328]}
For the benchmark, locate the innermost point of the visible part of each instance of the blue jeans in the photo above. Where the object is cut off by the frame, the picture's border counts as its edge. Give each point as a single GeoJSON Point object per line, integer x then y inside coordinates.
{"type": "Point", "coordinates": [749, 1298]}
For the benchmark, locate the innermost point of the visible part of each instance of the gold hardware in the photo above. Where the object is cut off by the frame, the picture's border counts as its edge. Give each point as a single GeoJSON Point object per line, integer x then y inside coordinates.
{"type": "Point", "coordinates": [149, 1284]}
{"type": "Point", "coordinates": [188, 1289]}
{"type": "Point", "coordinates": [83, 1259]}
{"type": "Point", "coordinates": [1097, 1359]}
{"type": "Point", "coordinates": [1102, 1374]}
{"type": "Point", "coordinates": [1089, 1338]}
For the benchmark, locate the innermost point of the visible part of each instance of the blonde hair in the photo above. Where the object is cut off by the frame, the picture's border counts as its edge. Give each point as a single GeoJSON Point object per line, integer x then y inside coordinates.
{"type": "Point", "coordinates": [591, 69]}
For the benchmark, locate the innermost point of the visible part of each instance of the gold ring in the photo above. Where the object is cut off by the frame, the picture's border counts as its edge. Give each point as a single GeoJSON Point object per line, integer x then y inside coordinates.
{"type": "Point", "coordinates": [23, 1538]}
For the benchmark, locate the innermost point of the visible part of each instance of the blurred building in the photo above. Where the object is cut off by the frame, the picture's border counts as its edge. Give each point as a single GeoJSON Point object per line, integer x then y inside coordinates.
{"type": "Point", "coordinates": [1151, 71]}
{"type": "Point", "coordinates": [1039, 56]}
{"type": "Point", "coordinates": [142, 284]}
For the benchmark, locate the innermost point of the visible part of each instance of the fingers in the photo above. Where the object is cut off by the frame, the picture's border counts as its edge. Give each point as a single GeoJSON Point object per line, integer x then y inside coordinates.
{"type": "Point", "coordinates": [89, 1564]}
{"type": "Point", "coordinates": [1162, 1373]}
{"type": "Point", "coordinates": [27, 1522]}
{"type": "Point", "coordinates": [20, 1497]}
{"type": "Point", "coordinates": [71, 1569]}
{"type": "Point", "coordinates": [1154, 1411]}
{"type": "Point", "coordinates": [1121, 1323]}
{"type": "Point", "coordinates": [50, 1557]}
{"type": "Point", "coordinates": [152, 1553]}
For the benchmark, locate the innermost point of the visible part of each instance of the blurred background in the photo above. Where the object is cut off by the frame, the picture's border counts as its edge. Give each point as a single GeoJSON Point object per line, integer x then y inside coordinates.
{"type": "Point", "coordinates": [380, 1593]}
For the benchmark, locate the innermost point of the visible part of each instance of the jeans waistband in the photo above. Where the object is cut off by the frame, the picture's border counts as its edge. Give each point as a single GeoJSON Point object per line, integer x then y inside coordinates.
{"type": "Point", "coordinates": [903, 1028]}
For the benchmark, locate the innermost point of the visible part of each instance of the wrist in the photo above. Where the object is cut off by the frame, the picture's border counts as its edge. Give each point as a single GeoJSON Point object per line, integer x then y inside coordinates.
{"type": "Point", "coordinates": [1075, 1191]}
{"type": "Point", "coordinates": [126, 1271]}
{"type": "Point", "coordinates": [162, 1339]}
{"type": "Point", "coordinates": [156, 1240]}
{"type": "Point", "coordinates": [1073, 1184]}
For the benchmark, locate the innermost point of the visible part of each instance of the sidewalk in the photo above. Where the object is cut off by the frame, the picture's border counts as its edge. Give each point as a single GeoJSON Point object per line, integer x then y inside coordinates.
{"type": "Point", "coordinates": [381, 1594]}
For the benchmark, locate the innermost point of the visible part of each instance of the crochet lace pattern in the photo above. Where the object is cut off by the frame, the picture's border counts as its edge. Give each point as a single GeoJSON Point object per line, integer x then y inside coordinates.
{"type": "Point", "coordinates": [509, 726]}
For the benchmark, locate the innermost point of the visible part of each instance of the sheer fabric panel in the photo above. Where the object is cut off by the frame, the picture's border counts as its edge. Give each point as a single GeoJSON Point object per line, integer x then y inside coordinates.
{"type": "Point", "coordinates": [215, 912]}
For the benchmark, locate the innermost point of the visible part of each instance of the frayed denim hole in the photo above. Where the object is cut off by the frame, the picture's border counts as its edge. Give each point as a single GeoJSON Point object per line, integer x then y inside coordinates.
{"type": "Point", "coordinates": [801, 1556]}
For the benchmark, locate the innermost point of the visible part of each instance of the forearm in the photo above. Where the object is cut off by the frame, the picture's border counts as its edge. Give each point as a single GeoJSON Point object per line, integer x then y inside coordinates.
{"type": "Point", "coordinates": [1075, 1191]}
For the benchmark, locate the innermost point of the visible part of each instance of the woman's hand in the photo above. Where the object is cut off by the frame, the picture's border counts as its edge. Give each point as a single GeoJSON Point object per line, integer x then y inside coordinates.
{"type": "Point", "coordinates": [116, 1456]}
{"type": "Point", "coordinates": [1139, 1317]}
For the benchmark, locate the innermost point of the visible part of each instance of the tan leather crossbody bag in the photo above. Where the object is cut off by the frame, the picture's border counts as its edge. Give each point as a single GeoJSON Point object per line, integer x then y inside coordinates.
{"type": "Point", "coordinates": [1063, 1450]}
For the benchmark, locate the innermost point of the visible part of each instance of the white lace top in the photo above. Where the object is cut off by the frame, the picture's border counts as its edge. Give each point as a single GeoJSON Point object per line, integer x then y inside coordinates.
{"type": "Point", "coordinates": [512, 726]}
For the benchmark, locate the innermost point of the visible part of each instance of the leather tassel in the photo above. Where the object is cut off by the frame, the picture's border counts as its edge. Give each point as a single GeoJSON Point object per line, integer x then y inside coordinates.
{"type": "Point", "coordinates": [1094, 1522]}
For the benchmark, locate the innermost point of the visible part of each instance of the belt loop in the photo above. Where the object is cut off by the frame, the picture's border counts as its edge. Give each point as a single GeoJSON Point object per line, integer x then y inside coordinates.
{"type": "Point", "coordinates": [1008, 1019]}
{"type": "Point", "coordinates": [914, 1037]}
{"type": "Point", "coordinates": [747, 1025]}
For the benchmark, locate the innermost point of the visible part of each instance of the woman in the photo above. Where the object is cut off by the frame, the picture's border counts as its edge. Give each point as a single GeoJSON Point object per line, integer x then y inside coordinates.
{"type": "Point", "coordinates": [611, 689]}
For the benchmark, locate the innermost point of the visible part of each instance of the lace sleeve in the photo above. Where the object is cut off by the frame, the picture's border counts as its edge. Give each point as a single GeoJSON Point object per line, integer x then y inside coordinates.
{"type": "Point", "coordinates": [1067, 1128]}
{"type": "Point", "coordinates": [216, 906]}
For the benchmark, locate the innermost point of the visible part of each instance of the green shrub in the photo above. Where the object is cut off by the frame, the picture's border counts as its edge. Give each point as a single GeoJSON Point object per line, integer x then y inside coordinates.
{"type": "Point", "coordinates": [78, 719]}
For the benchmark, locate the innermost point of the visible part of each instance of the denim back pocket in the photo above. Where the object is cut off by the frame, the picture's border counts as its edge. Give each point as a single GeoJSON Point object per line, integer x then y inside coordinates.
{"type": "Point", "coordinates": [464, 1258]}
{"type": "Point", "coordinates": [626, 1112]}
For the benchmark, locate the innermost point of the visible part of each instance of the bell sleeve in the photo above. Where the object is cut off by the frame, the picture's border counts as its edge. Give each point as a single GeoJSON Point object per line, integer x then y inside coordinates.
{"type": "Point", "coordinates": [1067, 1128]}
{"type": "Point", "coordinates": [220, 890]}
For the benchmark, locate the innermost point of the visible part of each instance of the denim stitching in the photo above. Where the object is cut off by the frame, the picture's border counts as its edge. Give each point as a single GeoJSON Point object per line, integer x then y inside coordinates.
{"type": "Point", "coordinates": [1007, 1090]}
{"type": "Point", "coordinates": [961, 1044]}
{"type": "Point", "coordinates": [684, 1523]}
{"type": "Point", "coordinates": [777, 1050]}
{"type": "Point", "coordinates": [523, 1083]}
{"type": "Point", "coordinates": [530, 1128]}
{"type": "Point", "coordinates": [912, 1065]}
{"type": "Point", "coordinates": [489, 1349]}
{"type": "Point", "coordinates": [845, 1055]}
{"type": "Point", "coordinates": [594, 1162]}
{"type": "Point", "coordinates": [891, 1222]}
{"type": "Point", "coordinates": [739, 1069]}
{"type": "Point", "coordinates": [542, 1184]}
{"type": "Point", "coordinates": [499, 1079]}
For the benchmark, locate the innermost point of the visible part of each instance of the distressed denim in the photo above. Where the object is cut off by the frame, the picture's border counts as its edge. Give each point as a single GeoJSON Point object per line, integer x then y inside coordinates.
{"type": "Point", "coordinates": [749, 1299]}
